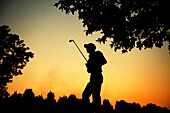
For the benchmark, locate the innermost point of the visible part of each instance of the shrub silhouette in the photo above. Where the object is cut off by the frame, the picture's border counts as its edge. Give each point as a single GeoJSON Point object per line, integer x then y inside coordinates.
{"type": "Point", "coordinates": [29, 103]}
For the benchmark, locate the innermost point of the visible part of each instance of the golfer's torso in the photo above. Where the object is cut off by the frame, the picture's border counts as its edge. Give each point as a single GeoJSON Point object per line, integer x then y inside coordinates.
{"type": "Point", "coordinates": [96, 77]}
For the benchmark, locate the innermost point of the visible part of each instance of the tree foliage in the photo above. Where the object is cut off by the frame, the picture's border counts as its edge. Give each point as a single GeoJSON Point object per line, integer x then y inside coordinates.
{"type": "Point", "coordinates": [14, 56]}
{"type": "Point", "coordinates": [128, 24]}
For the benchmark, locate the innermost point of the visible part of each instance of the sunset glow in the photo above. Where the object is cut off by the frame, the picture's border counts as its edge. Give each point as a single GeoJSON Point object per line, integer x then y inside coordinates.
{"type": "Point", "coordinates": [138, 76]}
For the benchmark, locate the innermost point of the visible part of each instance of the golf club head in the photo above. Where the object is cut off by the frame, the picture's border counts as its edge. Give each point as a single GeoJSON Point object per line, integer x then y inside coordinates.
{"type": "Point", "coordinates": [71, 40]}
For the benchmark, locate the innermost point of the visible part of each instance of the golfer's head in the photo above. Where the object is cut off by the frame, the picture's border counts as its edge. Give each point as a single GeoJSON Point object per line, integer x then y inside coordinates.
{"type": "Point", "coordinates": [90, 47]}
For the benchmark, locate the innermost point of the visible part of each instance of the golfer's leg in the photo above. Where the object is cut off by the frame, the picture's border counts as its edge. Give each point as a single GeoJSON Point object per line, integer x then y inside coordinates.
{"type": "Point", "coordinates": [96, 97]}
{"type": "Point", "coordinates": [86, 93]}
{"type": "Point", "coordinates": [85, 98]}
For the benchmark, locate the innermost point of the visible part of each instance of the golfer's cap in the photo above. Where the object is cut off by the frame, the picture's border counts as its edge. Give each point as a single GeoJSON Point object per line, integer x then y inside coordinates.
{"type": "Point", "coordinates": [90, 46]}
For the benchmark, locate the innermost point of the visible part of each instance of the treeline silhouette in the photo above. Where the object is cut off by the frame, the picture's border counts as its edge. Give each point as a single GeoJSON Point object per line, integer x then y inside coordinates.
{"type": "Point", "coordinates": [29, 103]}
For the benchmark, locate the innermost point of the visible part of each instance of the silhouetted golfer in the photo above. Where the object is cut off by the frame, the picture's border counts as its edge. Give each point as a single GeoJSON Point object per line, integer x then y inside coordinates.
{"type": "Point", "coordinates": [94, 67]}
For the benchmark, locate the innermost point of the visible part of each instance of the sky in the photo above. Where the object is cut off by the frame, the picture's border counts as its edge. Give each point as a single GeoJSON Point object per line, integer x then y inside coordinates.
{"type": "Point", "coordinates": [137, 76]}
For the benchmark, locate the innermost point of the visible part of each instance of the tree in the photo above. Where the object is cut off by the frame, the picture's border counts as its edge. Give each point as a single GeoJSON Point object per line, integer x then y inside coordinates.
{"type": "Point", "coordinates": [14, 56]}
{"type": "Point", "coordinates": [127, 24]}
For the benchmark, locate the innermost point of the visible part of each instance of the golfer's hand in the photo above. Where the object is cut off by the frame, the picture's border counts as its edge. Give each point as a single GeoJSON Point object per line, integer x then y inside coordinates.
{"type": "Point", "coordinates": [87, 66]}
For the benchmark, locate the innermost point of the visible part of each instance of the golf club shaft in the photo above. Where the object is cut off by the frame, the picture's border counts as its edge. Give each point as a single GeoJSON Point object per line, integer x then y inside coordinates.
{"type": "Point", "coordinates": [80, 50]}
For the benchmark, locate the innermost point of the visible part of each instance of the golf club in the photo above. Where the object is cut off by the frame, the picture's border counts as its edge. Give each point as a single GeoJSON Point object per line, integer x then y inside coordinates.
{"type": "Point", "coordinates": [78, 48]}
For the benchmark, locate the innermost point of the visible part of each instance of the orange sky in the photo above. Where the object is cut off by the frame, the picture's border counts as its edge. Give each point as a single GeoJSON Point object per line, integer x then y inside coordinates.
{"type": "Point", "coordinates": [137, 76]}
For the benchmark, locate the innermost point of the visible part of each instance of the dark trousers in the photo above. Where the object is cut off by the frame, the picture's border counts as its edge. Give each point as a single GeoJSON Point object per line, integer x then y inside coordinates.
{"type": "Point", "coordinates": [93, 88]}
